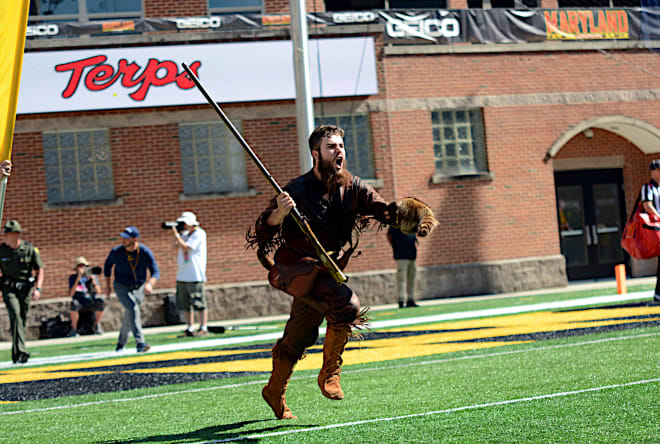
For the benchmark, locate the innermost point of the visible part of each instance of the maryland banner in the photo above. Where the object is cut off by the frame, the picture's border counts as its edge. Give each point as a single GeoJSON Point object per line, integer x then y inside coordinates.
{"type": "Point", "coordinates": [13, 22]}
{"type": "Point", "coordinates": [411, 26]}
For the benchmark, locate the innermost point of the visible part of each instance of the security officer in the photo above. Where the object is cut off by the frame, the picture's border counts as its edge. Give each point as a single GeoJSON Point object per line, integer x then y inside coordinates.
{"type": "Point", "coordinates": [17, 260]}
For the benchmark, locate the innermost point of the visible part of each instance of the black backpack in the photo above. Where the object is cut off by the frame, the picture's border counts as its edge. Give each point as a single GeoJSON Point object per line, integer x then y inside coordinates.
{"type": "Point", "coordinates": [172, 315]}
{"type": "Point", "coordinates": [54, 327]}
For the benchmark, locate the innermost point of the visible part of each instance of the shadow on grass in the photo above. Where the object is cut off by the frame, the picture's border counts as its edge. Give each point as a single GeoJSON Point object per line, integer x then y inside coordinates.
{"type": "Point", "coordinates": [214, 433]}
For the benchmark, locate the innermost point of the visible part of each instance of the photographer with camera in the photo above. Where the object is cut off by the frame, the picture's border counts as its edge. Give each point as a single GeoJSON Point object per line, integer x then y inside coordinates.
{"type": "Point", "coordinates": [84, 291]}
{"type": "Point", "coordinates": [190, 241]}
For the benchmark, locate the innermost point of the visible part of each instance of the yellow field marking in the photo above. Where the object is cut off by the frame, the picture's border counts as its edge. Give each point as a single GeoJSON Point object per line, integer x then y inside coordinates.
{"type": "Point", "coordinates": [65, 370]}
{"type": "Point", "coordinates": [373, 350]}
{"type": "Point", "coordinates": [387, 349]}
{"type": "Point", "coordinates": [41, 376]}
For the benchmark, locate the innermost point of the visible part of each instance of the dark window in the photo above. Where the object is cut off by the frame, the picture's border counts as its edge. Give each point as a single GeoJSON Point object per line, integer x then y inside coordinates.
{"type": "Point", "coordinates": [604, 4]}
{"type": "Point", "coordinates": [583, 3]}
{"type": "Point", "coordinates": [53, 7]}
{"type": "Point", "coordinates": [417, 4]}
{"type": "Point", "coordinates": [235, 6]}
{"type": "Point", "coordinates": [111, 6]}
{"type": "Point", "coordinates": [83, 10]}
{"type": "Point", "coordinates": [354, 5]}
{"type": "Point", "coordinates": [509, 4]}
{"type": "Point", "coordinates": [514, 4]}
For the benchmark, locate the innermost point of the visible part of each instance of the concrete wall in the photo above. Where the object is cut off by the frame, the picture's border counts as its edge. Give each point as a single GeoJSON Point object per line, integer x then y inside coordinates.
{"type": "Point", "coordinates": [253, 299]}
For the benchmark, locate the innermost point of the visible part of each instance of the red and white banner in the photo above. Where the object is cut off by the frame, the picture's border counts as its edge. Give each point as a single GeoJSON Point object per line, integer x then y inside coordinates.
{"type": "Point", "coordinates": [61, 81]}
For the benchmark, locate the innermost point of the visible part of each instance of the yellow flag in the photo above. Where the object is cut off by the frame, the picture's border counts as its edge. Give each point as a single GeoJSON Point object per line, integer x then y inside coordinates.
{"type": "Point", "coordinates": [13, 24]}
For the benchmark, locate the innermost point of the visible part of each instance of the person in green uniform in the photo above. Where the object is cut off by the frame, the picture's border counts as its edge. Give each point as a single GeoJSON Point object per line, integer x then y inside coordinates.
{"type": "Point", "coordinates": [18, 260]}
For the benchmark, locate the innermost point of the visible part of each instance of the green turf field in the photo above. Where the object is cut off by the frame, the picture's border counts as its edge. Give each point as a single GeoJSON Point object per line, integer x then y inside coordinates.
{"type": "Point", "coordinates": [574, 375]}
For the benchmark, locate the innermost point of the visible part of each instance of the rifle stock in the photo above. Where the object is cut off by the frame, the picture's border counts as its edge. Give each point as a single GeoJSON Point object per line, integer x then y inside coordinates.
{"type": "Point", "coordinates": [326, 260]}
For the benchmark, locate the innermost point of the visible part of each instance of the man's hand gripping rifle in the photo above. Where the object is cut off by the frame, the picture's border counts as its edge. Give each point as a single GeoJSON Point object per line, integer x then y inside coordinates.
{"type": "Point", "coordinates": [326, 260]}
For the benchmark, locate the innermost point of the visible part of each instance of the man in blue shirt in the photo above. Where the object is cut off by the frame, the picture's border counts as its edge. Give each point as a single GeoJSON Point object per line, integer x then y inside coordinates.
{"type": "Point", "coordinates": [131, 260]}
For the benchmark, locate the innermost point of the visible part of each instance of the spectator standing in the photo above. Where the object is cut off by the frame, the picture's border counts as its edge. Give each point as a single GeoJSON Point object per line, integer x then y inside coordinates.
{"type": "Point", "coordinates": [131, 261]}
{"type": "Point", "coordinates": [191, 273]}
{"type": "Point", "coordinates": [18, 261]}
{"type": "Point", "coordinates": [650, 198]}
{"type": "Point", "coordinates": [85, 294]}
{"type": "Point", "coordinates": [404, 247]}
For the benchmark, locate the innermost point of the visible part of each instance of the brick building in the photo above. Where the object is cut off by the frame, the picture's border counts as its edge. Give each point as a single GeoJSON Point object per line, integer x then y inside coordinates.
{"type": "Point", "coordinates": [495, 135]}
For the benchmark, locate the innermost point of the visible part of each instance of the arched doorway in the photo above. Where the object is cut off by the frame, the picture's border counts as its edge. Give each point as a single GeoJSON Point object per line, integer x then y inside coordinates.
{"type": "Point", "coordinates": [596, 163]}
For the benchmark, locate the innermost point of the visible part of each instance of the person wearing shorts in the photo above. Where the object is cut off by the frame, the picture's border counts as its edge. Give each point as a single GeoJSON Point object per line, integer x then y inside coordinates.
{"type": "Point", "coordinates": [191, 273]}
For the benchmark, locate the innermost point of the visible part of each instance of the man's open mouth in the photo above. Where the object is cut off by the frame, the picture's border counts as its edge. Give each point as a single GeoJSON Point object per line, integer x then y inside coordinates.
{"type": "Point", "coordinates": [339, 162]}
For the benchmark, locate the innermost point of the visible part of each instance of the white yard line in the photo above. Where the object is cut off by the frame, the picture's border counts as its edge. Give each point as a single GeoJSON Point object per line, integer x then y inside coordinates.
{"type": "Point", "coordinates": [438, 412]}
{"type": "Point", "coordinates": [345, 371]}
{"type": "Point", "coordinates": [375, 325]}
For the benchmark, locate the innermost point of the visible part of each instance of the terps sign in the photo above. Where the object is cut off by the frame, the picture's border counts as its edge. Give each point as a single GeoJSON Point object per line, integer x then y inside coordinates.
{"type": "Point", "coordinates": [101, 75]}
{"type": "Point", "coordinates": [587, 24]}
{"type": "Point", "coordinates": [88, 79]}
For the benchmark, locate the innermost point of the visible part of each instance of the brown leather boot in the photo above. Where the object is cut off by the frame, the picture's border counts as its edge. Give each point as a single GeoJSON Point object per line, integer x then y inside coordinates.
{"type": "Point", "coordinates": [333, 347]}
{"type": "Point", "coordinates": [273, 392]}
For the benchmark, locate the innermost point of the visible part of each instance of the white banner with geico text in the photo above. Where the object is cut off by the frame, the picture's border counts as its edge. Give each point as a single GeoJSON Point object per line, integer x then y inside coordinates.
{"type": "Point", "coordinates": [91, 79]}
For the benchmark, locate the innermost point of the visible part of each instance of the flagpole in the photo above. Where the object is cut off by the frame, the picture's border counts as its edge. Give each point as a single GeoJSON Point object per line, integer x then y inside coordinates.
{"type": "Point", "coordinates": [3, 188]}
{"type": "Point", "coordinates": [13, 27]}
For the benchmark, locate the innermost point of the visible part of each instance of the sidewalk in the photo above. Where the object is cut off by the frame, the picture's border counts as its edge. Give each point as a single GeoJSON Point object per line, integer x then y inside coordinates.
{"type": "Point", "coordinates": [575, 286]}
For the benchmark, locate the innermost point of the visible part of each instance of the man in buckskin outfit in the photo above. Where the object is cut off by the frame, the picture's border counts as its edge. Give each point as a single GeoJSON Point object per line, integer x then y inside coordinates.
{"type": "Point", "coordinates": [335, 204]}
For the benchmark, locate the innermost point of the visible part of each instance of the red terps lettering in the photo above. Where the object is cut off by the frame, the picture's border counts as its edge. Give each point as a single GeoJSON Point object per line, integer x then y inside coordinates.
{"type": "Point", "coordinates": [96, 75]}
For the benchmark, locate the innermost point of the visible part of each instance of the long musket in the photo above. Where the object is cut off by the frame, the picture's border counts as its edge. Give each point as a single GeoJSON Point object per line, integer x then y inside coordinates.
{"type": "Point", "coordinates": [326, 260]}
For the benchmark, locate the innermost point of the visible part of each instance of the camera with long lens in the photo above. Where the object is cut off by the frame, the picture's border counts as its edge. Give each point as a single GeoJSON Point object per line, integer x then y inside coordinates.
{"type": "Point", "coordinates": [167, 225]}
{"type": "Point", "coordinates": [89, 272]}
{"type": "Point", "coordinates": [96, 270]}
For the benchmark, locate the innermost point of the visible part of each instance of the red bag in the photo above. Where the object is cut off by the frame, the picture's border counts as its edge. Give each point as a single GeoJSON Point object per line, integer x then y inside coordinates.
{"type": "Point", "coordinates": [641, 236]}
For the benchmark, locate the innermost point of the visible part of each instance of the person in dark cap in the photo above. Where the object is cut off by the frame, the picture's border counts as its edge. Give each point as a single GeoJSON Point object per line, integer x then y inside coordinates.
{"type": "Point", "coordinates": [21, 266]}
{"type": "Point", "coordinates": [650, 198]}
{"type": "Point", "coordinates": [131, 261]}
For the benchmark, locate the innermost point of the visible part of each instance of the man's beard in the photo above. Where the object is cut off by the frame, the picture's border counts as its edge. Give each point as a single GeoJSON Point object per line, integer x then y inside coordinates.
{"type": "Point", "coordinates": [331, 179]}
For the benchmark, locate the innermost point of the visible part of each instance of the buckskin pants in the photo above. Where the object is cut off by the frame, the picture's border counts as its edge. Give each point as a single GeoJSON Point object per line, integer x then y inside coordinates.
{"type": "Point", "coordinates": [341, 307]}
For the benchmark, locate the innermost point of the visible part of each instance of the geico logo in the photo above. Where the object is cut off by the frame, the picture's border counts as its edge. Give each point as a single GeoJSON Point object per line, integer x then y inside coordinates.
{"type": "Point", "coordinates": [40, 30]}
{"type": "Point", "coordinates": [354, 17]}
{"type": "Point", "coordinates": [447, 27]}
{"type": "Point", "coordinates": [198, 22]}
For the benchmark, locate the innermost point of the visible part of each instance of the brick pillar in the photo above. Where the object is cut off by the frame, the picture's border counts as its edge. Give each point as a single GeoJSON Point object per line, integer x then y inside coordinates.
{"type": "Point", "coordinates": [457, 4]}
{"type": "Point", "coordinates": [283, 6]}
{"type": "Point", "coordinates": [309, 6]}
